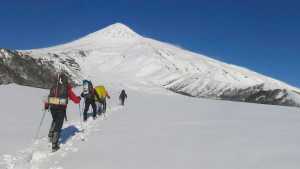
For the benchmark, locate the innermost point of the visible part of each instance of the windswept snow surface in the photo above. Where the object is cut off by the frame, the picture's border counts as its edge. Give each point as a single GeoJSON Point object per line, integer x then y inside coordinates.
{"type": "Point", "coordinates": [155, 129]}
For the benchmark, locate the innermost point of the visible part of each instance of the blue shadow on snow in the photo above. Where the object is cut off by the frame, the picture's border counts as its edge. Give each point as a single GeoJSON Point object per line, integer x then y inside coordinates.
{"type": "Point", "coordinates": [68, 133]}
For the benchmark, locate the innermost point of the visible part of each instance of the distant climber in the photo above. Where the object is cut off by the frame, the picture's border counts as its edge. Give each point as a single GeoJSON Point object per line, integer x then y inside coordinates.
{"type": "Point", "coordinates": [89, 95]}
{"type": "Point", "coordinates": [57, 101]}
{"type": "Point", "coordinates": [122, 97]}
{"type": "Point", "coordinates": [103, 94]}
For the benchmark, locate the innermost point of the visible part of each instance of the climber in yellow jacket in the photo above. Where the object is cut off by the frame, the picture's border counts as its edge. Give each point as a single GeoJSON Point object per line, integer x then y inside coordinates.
{"type": "Point", "coordinates": [103, 94]}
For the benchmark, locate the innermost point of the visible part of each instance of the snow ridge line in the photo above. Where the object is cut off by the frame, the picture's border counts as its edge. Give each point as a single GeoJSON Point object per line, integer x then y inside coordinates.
{"type": "Point", "coordinates": [39, 155]}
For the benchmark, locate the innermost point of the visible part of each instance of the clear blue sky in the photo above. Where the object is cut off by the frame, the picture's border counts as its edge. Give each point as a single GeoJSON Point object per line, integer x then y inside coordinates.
{"type": "Point", "coordinates": [263, 35]}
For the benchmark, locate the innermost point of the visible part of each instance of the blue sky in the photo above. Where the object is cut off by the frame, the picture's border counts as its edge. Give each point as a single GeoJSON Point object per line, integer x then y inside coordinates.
{"type": "Point", "coordinates": [262, 35]}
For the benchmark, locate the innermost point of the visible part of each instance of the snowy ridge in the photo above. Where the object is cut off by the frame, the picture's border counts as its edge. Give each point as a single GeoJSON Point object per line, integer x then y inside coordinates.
{"type": "Point", "coordinates": [116, 33]}
{"type": "Point", "coordinates": [117, 51]}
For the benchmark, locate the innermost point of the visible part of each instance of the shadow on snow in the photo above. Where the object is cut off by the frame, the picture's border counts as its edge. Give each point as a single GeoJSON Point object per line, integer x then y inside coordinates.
{"type": "Point", "coordinates": [68, 133]}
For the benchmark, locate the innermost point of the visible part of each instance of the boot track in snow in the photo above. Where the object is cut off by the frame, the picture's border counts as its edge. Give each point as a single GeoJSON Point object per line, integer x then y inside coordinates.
{"type": "Point", "coordinates": [39, 154]}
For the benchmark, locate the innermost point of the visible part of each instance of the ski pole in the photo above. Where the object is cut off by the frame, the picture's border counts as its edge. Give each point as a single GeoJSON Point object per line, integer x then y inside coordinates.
{"type": "Point", "coordinates": [109, 107]}
{"type": "Point", "coordinates": [81, 125]}
{"type": "Point", "coordinates": [80, 115]}
{"type": "Point", "coordinates": [40, 125]}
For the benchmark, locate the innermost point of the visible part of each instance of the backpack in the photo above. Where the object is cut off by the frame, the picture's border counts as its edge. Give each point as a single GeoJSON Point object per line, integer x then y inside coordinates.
{"type": "Point", "coordinates": [59, 91]}
{"type": "Point", "coordinates": [123, 95]}
{"type": "Point", "coordinates": [101, 91]}
{"type": "Point", "coordinates": [88, 90]}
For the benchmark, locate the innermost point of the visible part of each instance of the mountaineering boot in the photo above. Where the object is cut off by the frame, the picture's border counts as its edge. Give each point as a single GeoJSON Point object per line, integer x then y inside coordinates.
{"type": "Point", "coordinates": [55, 139]}
{"type": "Point", "coordinates": [55, 147]}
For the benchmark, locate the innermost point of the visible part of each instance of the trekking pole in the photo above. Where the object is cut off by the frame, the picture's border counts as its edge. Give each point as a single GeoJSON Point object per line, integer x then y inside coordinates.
{"type": "Point", "coordinates": [80, 115]}
{"type": "Point", "coordinates": [40, 125]}
{"type": "Point", "coordinates": [81, 125]}
{"type": "Point", "coordinates": [109, 107]}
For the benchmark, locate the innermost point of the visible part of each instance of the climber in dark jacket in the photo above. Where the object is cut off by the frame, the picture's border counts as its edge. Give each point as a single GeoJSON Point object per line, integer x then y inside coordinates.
{"type": "Point", "coordinates": [122, 97]}
{"type": "Point", "coordinates": [89, 95]}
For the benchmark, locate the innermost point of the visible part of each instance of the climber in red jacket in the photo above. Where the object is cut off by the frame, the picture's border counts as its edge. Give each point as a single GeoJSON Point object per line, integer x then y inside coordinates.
{"type": "Point", "coordinates": [58, 98]}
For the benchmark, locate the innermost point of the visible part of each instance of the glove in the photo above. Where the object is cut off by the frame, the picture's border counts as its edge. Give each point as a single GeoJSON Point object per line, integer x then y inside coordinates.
{"type": "Point", "coordinates": [79, 98]}
{"type": "Point", "coordinates": [46, 106]}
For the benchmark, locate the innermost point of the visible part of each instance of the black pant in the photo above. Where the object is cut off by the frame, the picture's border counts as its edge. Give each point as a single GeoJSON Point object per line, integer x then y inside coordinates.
{"type": "Point", "coordinates": [87, 106]}
{"type": "Point", "coordinates": [58, 115]}
{"type": "Point", "coordinates": [99, 108]}
{"type": "Point", "coordinates": [104, 106]}
{"type": "Point", "coordinates": [122, 100]}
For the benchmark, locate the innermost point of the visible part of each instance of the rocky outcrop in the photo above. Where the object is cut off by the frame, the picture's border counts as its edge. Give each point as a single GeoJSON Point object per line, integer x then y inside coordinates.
{"type": "Point", "coordinates": [20, 68]}
{"type": "Point", "coordinates": [255, 94]}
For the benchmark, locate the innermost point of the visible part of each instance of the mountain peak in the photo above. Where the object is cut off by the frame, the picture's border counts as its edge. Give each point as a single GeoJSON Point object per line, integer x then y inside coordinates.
{"type": "Point", "coordinates": [116, 31]}
{"type": "Point", "coordinates": [119, 26]}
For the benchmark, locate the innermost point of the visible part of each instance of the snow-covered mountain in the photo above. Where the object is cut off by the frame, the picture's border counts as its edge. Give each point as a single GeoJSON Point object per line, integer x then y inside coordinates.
{"type": "Point", "coordinates": [118, 55]}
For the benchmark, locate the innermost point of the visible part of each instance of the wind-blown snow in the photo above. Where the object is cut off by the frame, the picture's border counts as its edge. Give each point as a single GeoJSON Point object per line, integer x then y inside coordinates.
{"type": "Point", "coordinates": [153, 130]}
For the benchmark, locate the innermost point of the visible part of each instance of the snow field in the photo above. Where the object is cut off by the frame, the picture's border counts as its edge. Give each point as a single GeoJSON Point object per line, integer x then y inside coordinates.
{"type": "Point", "coordinates": [155, 130]}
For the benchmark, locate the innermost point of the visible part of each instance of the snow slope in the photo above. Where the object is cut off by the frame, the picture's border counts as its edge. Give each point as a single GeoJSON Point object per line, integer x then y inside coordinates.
{"type": "Point", "coordinates": [117, 51]}
{"type": "Point", "coordinates": [155, 129]}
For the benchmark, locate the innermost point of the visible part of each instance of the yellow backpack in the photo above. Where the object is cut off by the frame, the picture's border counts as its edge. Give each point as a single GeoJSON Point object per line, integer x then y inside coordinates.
{"type": "Point", "coordinates": [101, 91]}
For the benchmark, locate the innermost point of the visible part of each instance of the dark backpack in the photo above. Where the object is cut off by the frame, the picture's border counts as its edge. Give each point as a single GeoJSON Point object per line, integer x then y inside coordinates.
{"type": "Point", "coordinates": [123, 95]}
{"type": "Point", "coordinates": [59, 91]}
{"type": "Point", "coordinates": [88, 89]}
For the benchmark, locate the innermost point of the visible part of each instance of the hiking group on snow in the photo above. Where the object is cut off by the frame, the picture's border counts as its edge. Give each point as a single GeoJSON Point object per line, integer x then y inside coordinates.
{"type": "Point", "coordinates": [61, 91]}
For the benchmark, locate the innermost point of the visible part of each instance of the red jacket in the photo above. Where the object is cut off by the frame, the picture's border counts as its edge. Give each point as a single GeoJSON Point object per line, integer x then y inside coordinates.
{"type": "Point", "coordinates": [71, 95]}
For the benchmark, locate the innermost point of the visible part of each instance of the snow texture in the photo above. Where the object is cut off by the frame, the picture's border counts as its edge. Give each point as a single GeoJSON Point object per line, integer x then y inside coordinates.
{"type": "Point", "coordinates": [155, 129]}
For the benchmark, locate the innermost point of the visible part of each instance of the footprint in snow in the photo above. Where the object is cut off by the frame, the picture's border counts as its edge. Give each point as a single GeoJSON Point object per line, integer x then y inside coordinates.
{"type": "Point", "coordinates": [40, 151]}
